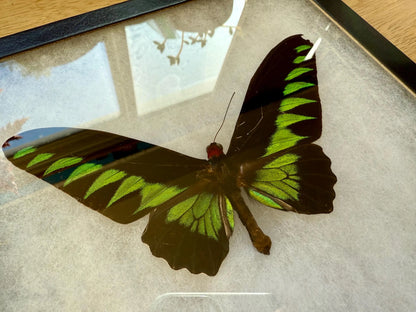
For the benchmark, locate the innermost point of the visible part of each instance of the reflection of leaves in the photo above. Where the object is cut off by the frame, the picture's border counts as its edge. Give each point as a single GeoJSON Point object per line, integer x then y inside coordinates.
{"type": "Point", "coordinates": [200, 37]}
{"type": "Point", "coordinates": [160, 45]}
{"type": "Point", "coordinates": [7, 182]}
{"type": "Point", "coordinates": [173, 59]}
{"type": "Point", "coordinates": [11, 129]}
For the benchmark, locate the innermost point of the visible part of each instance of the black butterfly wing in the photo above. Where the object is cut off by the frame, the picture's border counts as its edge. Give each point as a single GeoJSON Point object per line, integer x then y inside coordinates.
{"type": "Point", "coordinates": [124, 179]}
{"type": "Point", "coordinates": [114, 175]}
{"type": "Point", "coordinates": [280, 118]}
{"type": "Point", "coordinates": [283, 82]}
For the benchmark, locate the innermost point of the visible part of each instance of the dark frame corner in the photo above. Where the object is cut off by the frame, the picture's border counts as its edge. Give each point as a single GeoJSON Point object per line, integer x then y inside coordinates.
{"type": "Point", "coordinates": [383, 50]}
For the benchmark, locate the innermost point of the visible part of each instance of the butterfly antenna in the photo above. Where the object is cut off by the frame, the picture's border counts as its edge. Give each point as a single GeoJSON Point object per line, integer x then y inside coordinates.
{"type": "Point", "coordinates": [225, 115]}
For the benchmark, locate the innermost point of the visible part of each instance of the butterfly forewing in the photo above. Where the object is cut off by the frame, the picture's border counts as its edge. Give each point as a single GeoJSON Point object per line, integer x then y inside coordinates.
{"type": "Point", "coordinates": [282, 106]}
{"type": "Point", "coordinates": [119, 177]}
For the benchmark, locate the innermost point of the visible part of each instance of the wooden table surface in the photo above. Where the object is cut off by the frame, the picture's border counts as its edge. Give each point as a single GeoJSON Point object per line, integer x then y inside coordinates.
{"type": "Point", "coordinates": [394, 19]}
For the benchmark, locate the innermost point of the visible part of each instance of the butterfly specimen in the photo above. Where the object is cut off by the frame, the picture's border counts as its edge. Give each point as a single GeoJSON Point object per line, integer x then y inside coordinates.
{"type": "Point", "coordinates": [192, 202]}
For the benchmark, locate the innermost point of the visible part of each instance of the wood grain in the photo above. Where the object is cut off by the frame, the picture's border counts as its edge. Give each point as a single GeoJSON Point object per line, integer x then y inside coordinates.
{"type": "Point", "coordinates": [394, 19]}
{"type": "Point", "coordinates": [20, 15]}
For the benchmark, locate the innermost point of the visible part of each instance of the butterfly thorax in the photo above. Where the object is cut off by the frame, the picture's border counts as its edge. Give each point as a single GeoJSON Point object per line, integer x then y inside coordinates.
{"type": "Point", "coordinates": [218, 170]}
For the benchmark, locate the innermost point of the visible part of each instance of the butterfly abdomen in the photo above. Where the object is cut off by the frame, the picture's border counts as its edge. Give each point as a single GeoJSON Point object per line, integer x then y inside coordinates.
{"type": "Point", "coordinates": [260, 241]}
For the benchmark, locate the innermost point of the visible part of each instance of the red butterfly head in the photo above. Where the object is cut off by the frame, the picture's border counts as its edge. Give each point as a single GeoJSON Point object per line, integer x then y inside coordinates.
{"type": "Point", "coordinates": [214, 150]}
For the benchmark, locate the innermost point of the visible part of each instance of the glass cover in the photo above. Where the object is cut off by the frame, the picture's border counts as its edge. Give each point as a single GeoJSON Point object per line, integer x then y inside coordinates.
{"type": "Point", "coordinates": [163, 81]}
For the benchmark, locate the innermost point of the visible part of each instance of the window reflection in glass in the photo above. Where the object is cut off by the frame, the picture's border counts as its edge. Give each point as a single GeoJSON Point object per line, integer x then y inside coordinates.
{"type": "Point", "coordinates": [171, 64]}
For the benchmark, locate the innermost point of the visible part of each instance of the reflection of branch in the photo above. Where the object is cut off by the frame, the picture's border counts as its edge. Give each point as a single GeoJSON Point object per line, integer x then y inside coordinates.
{"type": "Point", "coordinates": [231, 26]}
{"type": "Point", "coordinates": [231, 29]}
{"type": "Point", "coordinates": [180, 50]}
{"type": "Point", "coordinates": [175, 59]}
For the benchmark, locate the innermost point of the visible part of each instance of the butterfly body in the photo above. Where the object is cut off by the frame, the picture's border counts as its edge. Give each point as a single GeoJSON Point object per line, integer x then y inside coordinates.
{"type": "Point", "coordinates": [228, 177]}
{"type": "Point", "coordinates": [192, 202]}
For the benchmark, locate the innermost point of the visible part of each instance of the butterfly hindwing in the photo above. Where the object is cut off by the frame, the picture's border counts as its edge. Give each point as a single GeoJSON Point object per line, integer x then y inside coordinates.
{"type": "Point", "coordinates": [299, 180]}
{"type": "Point", "coordinates": [204, 244]}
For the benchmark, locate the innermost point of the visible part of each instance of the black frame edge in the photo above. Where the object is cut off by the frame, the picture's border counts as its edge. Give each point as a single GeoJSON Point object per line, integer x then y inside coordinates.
{"type": "Point", "coordinates": [78, 24]}
{"type": "Point", "coordinates": [383, 50]}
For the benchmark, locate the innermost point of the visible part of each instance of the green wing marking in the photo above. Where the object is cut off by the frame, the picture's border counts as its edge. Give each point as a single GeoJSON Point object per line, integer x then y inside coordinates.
{"type": "Point", "coordinates": [152, 194]}
{"type": "Point", "coordinates": [285, 120]}
{"type": "Point", "coordinates": [82, 171]}
{"type": "Point", "coordinates": [230, 213]}
{"type": "Point", "coordinates": [25, 151]}
{"type": "Point", "coordinates": [284, 137]}
{"type": "Point", "coordinates": [155, 194]}
{"type": "Point", "coordinates": [297, 72]}
{"type": "Point", "coordinates": [296, 86]}
{"type": "Point", "coordinates": [62, 163]}
{"type": "Point", "coordinates": [293, 102]}
{"type": "Point", "coordinates": [39, 158]}
{"type": "Point", "coordinates": [201, 213]}
{"type": "Point", "coordinates": [107, 177]}
{"type": "Point", "coordinates": [299, 59]}
{"type": "Point", "coordinates": [302, 47]}
{"type": "Point", "coordinates": [278, 179]}
{"type": "Point", "coordinates": [129, 185]}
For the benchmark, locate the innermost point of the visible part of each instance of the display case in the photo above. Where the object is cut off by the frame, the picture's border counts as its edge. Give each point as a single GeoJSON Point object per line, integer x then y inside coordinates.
{"type": "Point", "coordinates": [166, 78]}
